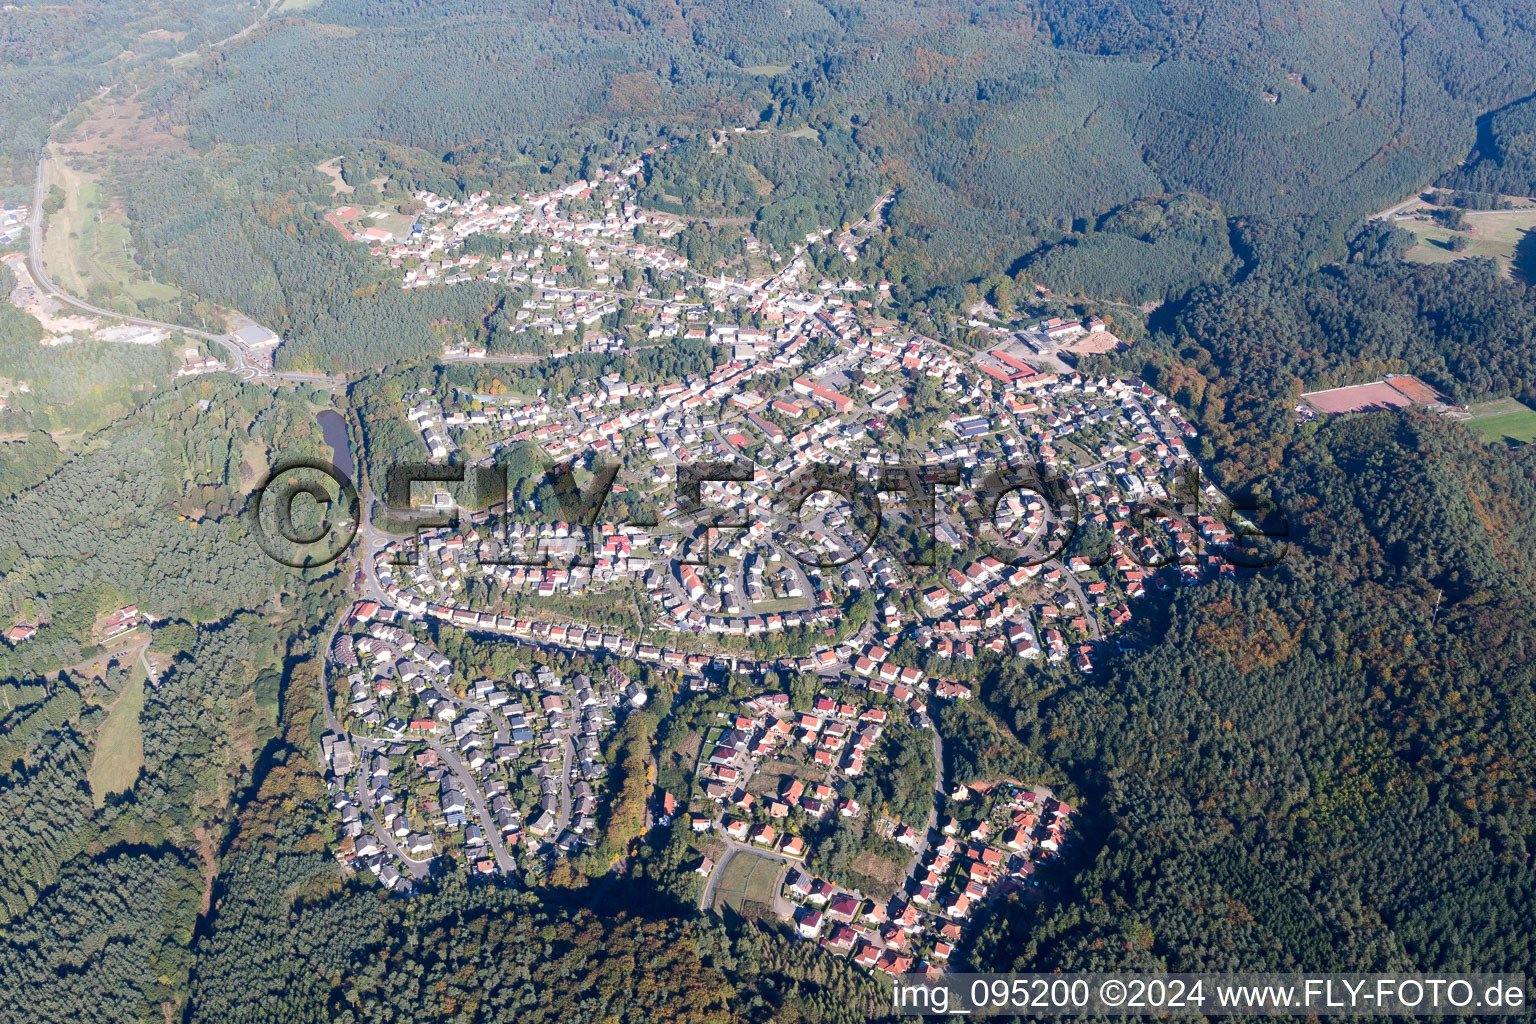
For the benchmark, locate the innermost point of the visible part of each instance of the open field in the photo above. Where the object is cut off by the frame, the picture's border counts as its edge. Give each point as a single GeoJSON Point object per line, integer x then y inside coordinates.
{"type": "Point", "coordinates": [87, 246]}
{"type": "Point", "coordinates": [1095, 344]}
{"type": "Point", "coordinates": [788, 604]}
{"type": "Point", "coordinates": [332, 169]}
{"type": "Point", "coordinates": [748, 879]}
{"type": "Point", "coordinates": [120, 742]}
{"type": "Point", "coordinates": [1506, 420]}
{"type": "Point", "coordinates": [774, 773]}
{"type": "Point", "coordinates": [1495, 235]}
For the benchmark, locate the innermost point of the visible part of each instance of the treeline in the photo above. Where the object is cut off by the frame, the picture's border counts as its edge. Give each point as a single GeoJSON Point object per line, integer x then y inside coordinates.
{"type": "Point", "coordinates": [107, 943]}
{"type": "Point", "coordinates": [490, 953]}
{"type": "Point", "coordinates": [26, 462]}
{"type": "Point", "coordinates": [1149, 251]}
{"type": "Point", "coordinates": [150, 515]}
{"type": "Point", "coordinates": [32, 710]}
{"type": "Point", "coordinates": [245, 230]}
{"type": "Point", "coordinates": [786, 185]}
{"type": "Point", "coordinates": [998, 145]}
{"type": "Point", "coordinates": [52, 58]}
{"type": "Point", "coordinates": [79, 386]}
{"type": "Point", "coordinates": [48, 819]}
{"type": "Point", "coordinates": [1323, 766]}
{"type": "Point", "coordinates": [1239, 357]}
{"type": "Point", "coordinates": [1505, 158]}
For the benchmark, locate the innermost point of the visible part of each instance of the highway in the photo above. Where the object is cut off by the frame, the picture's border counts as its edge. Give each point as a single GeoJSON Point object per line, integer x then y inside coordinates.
{"type": "Point", "coordinates": [240, 363]}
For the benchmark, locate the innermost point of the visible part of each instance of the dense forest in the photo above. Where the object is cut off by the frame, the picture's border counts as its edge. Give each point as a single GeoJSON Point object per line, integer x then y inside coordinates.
{"type": "Point", "coordinates": [999, 137]}
{"type": "Point", "coordinates": [243, 229]}
{"type": "Point", "coordinates": [1505, 158]}
{"type": "Point", "coordinates": [1148, 251]}
{"type": "Point", "coordinates": [1240, 356]}
{"type": "Point", "coordinates": [1328, 761]}
{"type": "Point", "coordinates": [53, 56]}
{"type": "Point", "coordinates": [147, 512]}
{"type": "Point", "coordinates": [1328, 764]}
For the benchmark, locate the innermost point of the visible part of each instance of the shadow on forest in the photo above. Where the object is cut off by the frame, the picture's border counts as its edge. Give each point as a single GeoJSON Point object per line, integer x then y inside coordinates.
{"type": "Point", "coordinates": [1524, 262]}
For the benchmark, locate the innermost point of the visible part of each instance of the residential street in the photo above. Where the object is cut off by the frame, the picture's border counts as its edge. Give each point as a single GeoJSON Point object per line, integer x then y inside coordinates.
{"type": "Point", "coordinates": [476, 798]}
{"type": "Point", "coordinates": [418, 868]}
{"type": "Point", "coordinates": [781, 906]}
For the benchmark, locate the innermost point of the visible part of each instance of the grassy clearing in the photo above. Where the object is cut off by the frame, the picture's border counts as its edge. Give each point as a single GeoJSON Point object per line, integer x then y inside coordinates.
{"type": "Point", "coordinates": [1496, 236]}
{"type": "Point", "coordinates": [748, 879]}
{"type": "Point", "coordinates": [1504, 420]}
{"type": "Point", "coordinates": [788, 604]}
{"type": "Point", "coordinates": [773, 775]}
{"type": "Point", "coordinates": [119, 742]}
{"type": "Point", "coordinates": [766, 69]}
{"type": "Point", "coordinates": [332, 169]}
{"type": "Point", "coordinates": [871, 872]}
{"type": "Point", "coordinates": [88, 248]}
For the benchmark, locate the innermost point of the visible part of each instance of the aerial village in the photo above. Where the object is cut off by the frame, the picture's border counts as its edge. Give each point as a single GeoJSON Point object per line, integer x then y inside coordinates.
{"type": "Point", "coordinates": [430, 767]}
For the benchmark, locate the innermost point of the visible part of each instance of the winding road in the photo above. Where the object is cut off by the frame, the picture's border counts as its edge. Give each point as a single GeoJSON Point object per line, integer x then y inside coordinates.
{"type": "Point", "coordinates": [476, 797]}
{"type": "Point", "coordinates": [418, 868]}
{"type": "Point", "coordinates": [239, 355]}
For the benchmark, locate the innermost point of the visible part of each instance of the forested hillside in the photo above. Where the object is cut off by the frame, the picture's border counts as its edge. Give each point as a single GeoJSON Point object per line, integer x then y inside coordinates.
{"type": "Point", "coordinates": [1323, 764]}
{"type": "Point", "coordinates": [1505, 158]}
{"type": "Point", "coordinates": [1327, 765]}
{"type": "Point", "coordinates": [1148, 251]}
{"type": "Point", "coordinates": [147, 513]}
{"type": "Point", "coordinates": [52, 56]}
{"type": "Point", "coordinates": [998, 135]}
{"type": "Point", "coordinates": [244, 228]}
{"type": "Point", "coordinates": [1327, 762]}
{"type": "Point", "coordinates": [101, 892]}
{"type": "Point", "coordinates": [1240, 356]}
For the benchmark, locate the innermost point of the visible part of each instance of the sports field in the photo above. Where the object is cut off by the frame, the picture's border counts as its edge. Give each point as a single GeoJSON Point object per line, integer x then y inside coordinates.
{"type": "Point", "coordinates": [1504, 420]}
